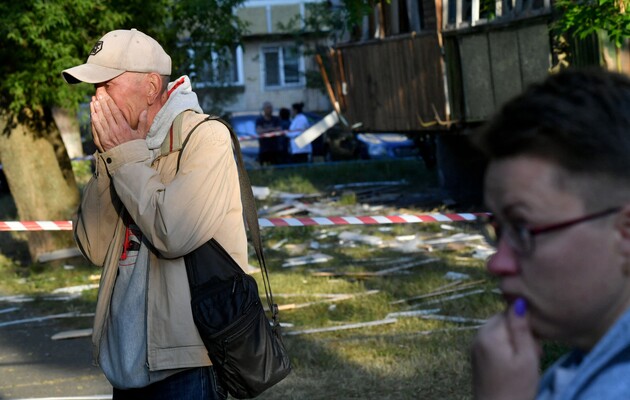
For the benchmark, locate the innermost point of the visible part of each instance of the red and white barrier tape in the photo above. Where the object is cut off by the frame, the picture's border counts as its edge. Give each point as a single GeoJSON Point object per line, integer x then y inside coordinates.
{"type": "Point", "coordinates": [367, 220]}
{"type": "Point", "coordinates": [35, 225]}
{"type": "Point", "coordinates": [271, 222]}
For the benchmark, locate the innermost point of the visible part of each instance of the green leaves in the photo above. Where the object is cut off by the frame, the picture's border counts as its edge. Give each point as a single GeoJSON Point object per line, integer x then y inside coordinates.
{"type": "Point", "coordinates": [583, 18]}
{"type": "Point", "coordinates": [40, 38]}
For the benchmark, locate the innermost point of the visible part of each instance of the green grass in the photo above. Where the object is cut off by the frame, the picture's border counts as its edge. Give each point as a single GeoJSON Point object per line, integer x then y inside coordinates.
{"type": "Point", "coordinates": [320, 177]}
{"type": "Point", "coordinates": [413, 358]}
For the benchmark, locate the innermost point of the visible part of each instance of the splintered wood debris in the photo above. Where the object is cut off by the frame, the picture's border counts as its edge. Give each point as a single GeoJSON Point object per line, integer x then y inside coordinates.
{"type": "Point", "coordinates": [353, 236]}
{"type": "Point", "coordinates": [342, 327]}
{"type": "Point", "coordinates": [449, 298]}
{"type": "Point", "coordinates": [450, 318]}
{"type": "Point", "coordinates": [306, 260]}
{"type": "Point", "coordinates": [20, 298]}
{"type": "Point", "coordinates": [72, 334]}
{"type": "Point", "coordinates": [76, 289]}
{"type": "Point", "coordinates": [59, 255]}
{"type": "Point", "coordinates": [458, 237]}
{"type": "Point", "coordinates": [45, 318]}
{"type": "Point", "coordinates": [447, 289]}
{"type": "Point", "coordinates": [414, 313]}
{"type": "Point", "coordinates": [382, 272]}
{"type": "Point", "coordinates": [8, 310]}
{"type": "Point", "coordinates": [354, 185]}
{"type": "Point", "coordinates": [432, 314]}
{"type": "Point", "coordinates": [332, 298]}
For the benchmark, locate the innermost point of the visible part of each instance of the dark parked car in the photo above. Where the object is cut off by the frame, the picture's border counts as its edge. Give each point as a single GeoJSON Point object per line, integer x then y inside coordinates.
{"type": "Point", "coordinates": [334, 144]}
{"type": "Point", "coordinates": [379, 146]}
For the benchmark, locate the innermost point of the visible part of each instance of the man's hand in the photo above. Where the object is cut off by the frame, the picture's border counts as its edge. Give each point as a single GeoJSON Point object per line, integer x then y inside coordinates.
{"type": "Point", "coordinates": [109, 126]}
{"type": "Point", "coordinates": [505, 357]}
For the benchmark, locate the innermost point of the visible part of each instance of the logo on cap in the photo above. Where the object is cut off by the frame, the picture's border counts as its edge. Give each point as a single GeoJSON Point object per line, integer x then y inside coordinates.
{"type": "Point", "coordinates": [97, 47]}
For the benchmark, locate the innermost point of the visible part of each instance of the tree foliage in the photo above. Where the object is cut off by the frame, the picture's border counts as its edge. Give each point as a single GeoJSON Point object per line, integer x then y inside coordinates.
{"type": "Point", "coordinates": [40, 38]}
{"type": "Point", "coordinates": [583, 18]}
{"type": "Point", "coordinates": [333, 22]}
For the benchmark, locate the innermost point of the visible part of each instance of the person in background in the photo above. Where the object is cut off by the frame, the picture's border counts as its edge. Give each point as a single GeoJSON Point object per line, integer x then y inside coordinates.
{"type": "Point", "coordinates": [299, 123]}
{"type": "Point", "coordinates": [139, 217]}
{"type": "Point", "coordinates": [558, 187]}
{"type": "Point", "coordinates": [285, 118]}
{"type": "Point", "coordinates": [285, 122]}
{"type": "Point", "coordinates": [270, 148]}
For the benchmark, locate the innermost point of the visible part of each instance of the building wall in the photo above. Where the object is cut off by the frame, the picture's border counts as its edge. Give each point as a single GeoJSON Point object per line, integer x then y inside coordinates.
{"type": "Point", "coordinates": [263, 17]}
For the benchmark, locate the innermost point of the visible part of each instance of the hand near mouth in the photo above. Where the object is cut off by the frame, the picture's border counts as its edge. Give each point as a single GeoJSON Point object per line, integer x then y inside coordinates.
{"type": "Point", "coordinates": [109, 126]}
{"type": "Point", "coordinates": [505, 356]}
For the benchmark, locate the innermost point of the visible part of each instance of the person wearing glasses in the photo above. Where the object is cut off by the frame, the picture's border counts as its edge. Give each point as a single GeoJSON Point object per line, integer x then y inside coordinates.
{"type": "Point", "coordinates": [557, 185]}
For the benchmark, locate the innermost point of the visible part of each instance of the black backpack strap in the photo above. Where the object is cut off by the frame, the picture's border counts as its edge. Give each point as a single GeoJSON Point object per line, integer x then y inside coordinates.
{"type": "Point", "coordinates": [249, 207]}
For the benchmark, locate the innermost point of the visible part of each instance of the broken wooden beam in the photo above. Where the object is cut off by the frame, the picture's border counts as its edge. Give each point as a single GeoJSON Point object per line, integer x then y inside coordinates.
{"type": "Point", "coordinates": [341, 327]}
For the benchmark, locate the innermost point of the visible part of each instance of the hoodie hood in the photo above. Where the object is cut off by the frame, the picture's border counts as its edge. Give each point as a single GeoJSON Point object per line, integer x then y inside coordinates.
{"type": "Point", "coordinates": [180, 98]}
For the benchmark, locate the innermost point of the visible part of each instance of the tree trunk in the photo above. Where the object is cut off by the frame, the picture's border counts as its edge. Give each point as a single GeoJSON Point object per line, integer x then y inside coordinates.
{"type": "Point", "coordinates": [68, 124]}
{"type": "Point", "coordinates": [41, 182]}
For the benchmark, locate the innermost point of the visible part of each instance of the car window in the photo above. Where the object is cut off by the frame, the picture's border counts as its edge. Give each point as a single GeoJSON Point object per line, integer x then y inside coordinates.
{"type": "Point", "coordinates": [244, 126]}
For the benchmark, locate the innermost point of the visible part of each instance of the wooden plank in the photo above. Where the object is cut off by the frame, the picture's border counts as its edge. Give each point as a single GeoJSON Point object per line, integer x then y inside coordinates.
{"type": "Point", "coordinates": [332, 299]}
{"type": "Point", "coordinates": [476, 77]}
{"type": "Point", "coordinates": [59, 255]}
{"type": "Point", "coordinates": [449, 298]}
{"type": "Point", "coordinates": [382, 272]}
{"type": "Point", "coordinates": [390, 82]}
{"type": "Point", "coordinates": [438, 292]}
{"type": "Point", "coordinates": [45, 318]}
{"type": "Point", "coordinates": [534, 50]}
{"type": "Point", "coordinates": [341, 327]}
{"type": "Point", "coordinates": [457, 319]}
{"type": "Point", "coordinates": [505, 65]}
{"type": "Point", "coordinates": [72, 334]}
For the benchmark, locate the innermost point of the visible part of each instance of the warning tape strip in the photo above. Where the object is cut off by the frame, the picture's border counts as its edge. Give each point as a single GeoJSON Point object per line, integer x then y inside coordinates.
{"type": "Point", "coordinates": [35, 225]}
{"type": "Point", "coordinates": [271, 222]}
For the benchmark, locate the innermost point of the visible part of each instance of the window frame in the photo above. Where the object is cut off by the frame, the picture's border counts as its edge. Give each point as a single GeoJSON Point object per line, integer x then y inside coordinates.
{"type": "Point", "coordinates": [213, 63]}
{"type": "Point", "coordinates": [280, 49]}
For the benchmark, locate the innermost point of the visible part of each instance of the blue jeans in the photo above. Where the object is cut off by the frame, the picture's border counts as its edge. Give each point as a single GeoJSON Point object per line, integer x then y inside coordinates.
{"type": "Point", "coordinates": [193, 384]}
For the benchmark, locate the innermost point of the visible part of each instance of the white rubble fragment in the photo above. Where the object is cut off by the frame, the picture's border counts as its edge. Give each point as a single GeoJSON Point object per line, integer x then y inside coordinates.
{"type": "Point", "coordinates": [75, 289]}
{"type": "Point", "coordinates": [456, 276]}
{"type": "Point", "coordinates": [358, 237]}
{"type": "Point", "coordinates": [308, 259]}
{"type": "Point", "coordinates": [261, 192]}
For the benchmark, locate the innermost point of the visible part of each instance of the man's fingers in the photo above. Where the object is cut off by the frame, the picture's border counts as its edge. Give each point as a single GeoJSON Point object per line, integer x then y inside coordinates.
{"type": "Point", "coordinates": [96, 124]}
{"type": "Point", "coordinates": [106, 110]}
{"type": "Point", "coordinates": [117, 115]}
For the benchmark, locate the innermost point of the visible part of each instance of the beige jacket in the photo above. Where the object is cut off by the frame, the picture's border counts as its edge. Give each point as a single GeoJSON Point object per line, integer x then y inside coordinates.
{"type": "Point", "coordinates": [177, 213]}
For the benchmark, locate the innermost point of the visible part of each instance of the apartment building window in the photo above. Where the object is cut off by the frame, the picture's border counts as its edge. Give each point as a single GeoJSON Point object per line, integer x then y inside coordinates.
{"type": "Point", "coordinates": [218, 71]}
{"type": "Point", "coordinates": [283, 66]}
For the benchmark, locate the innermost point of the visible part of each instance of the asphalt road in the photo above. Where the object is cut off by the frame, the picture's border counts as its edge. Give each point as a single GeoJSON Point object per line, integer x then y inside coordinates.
{"type": "Point", "coordinates": [33, 366]}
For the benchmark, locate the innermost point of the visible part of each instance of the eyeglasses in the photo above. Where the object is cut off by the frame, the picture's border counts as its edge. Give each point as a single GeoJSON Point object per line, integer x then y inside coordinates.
{"type": "Point", "coordinates": [521, 238]}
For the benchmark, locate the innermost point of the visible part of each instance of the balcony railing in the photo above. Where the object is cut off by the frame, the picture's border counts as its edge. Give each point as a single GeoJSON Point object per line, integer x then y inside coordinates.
{"type": "Point", "coordinates": [462, 14]}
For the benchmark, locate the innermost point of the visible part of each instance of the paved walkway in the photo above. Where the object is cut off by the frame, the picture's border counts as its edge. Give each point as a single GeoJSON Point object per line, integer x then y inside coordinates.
{"type": "Point", "coordinates": [32, 366]}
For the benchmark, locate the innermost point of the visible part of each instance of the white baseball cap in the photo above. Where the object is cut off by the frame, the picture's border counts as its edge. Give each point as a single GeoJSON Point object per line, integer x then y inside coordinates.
{"type": "Point", "coordinates": [118, 52]}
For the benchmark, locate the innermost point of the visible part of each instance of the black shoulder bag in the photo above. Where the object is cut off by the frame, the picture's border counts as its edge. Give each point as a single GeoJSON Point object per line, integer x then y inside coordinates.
{"type": "Point", "coordinates": [245, 347]}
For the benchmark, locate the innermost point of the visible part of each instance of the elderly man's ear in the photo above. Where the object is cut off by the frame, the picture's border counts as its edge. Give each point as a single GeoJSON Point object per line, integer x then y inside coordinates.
{"type": "Point", "coordinates": [155, 87]}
